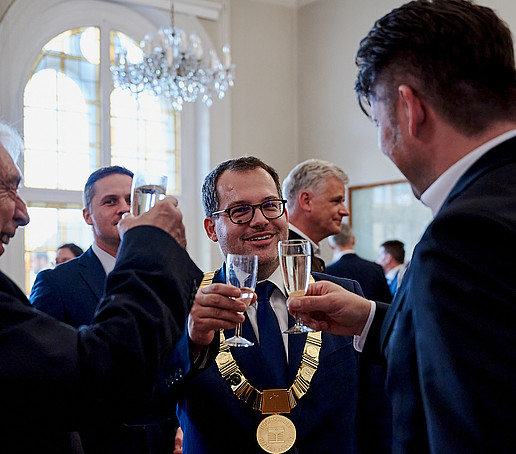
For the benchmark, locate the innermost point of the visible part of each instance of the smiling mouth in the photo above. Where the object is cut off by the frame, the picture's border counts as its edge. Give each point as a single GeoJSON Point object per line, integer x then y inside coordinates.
{"type": "Point", "coordinates": [260, 238]}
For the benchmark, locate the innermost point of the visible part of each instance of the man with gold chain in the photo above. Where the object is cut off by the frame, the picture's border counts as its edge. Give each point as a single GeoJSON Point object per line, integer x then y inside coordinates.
{"type": "Point", "coordinates": [302, 397]}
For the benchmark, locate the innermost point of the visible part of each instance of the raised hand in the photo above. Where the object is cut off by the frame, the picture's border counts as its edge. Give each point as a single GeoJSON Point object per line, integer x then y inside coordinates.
{"type": "Point", "coordinates": [328, 307]}
{"type": "Point", "coordinates": [164, 214]}
{"type": "Point", "coordinates": [214, 308]}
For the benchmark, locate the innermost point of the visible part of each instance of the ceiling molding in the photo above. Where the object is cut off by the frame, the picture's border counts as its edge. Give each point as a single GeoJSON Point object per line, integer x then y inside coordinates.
{"type": "Point", "coordinates": [203, 9]}
{"type": "Point", "coordinates": [289, 3]}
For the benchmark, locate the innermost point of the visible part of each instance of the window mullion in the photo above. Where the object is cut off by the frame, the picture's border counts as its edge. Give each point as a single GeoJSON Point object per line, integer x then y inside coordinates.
{"type": "Point", "coordinates": [105, 88]}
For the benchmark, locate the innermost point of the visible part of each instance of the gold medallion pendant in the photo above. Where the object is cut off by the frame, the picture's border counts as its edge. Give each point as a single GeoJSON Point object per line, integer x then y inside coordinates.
{"type": "Point", "coordinates": [276, 434]}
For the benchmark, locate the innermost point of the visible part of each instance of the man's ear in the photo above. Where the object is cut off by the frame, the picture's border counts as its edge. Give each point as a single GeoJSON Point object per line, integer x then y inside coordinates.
{"type": "Point", "coordinates": [412, 107]}
{"type": "Point", "coordinates": [87, 216]}
{"type": "Point", "coordinates": [209, 228]}
{"type": "Point", "coordinates": [303, 199]}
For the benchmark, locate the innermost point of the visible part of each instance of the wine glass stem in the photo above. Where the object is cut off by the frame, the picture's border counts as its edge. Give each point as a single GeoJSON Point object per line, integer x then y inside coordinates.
{"type": "Point", "coordinates": [299, 322]}
{"type": "Point", "coordinates": [238, 330]}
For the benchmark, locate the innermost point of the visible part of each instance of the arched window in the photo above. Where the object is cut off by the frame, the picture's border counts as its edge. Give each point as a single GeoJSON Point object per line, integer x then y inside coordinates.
{"type": "Point", "coordinates": [66, 139]}
{"type": "Point", "coordinates": [68, 50]}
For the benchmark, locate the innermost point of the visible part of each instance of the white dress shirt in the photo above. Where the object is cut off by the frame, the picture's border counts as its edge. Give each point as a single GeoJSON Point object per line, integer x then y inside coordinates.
{"type": "Point", "coordinates": [278, 302]}
{"type": "Point", "coordinates": [107, 260]}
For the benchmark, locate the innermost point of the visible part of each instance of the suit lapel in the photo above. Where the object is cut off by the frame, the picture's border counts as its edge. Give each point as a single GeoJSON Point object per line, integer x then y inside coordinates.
{"type": "Point", "coordinates": [498, 156]}
{"type": "Point", "coordinates": [92, 272]}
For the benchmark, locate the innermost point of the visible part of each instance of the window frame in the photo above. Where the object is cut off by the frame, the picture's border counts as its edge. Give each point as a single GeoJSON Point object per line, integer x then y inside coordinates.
{"type": "Point", "coordinates": [205, 133]}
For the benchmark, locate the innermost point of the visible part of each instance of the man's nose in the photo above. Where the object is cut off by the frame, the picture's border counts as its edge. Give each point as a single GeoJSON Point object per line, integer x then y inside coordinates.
{"type": "Point", "coordinates": [258, 218]}
{"type": "Point", "coordinates": [125, 206]}
{"type": "Point", "coordinates": [21, 214]}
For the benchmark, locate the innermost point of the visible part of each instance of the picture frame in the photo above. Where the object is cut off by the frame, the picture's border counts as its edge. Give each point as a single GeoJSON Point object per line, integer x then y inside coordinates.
{"type": "Point", "coordinates": [386, 211]}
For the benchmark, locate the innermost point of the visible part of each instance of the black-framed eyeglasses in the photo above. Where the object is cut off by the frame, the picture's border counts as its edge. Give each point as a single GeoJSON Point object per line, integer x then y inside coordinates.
{"type": "Point", "coordinates": [241, 214]}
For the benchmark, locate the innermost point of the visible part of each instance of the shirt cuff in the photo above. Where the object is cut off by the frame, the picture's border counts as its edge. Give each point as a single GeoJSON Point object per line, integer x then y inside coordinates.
{"type": "Point", "coordinates": [359, 341]}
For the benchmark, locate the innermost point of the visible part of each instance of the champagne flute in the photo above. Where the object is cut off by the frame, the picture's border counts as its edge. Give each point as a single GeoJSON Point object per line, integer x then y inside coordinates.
{"type": "Point", "coordinates": [146, 190]}
{"type": "Point", "coordinates": [241, 271]}
{"type": "Point", "coordinates": [295, 260]}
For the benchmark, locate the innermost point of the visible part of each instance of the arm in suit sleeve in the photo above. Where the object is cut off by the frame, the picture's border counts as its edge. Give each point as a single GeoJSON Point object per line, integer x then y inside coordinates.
{"type": "Point", "coordinates": [66, 375]}
{"type": "Point", "coordinates": [46, 297]}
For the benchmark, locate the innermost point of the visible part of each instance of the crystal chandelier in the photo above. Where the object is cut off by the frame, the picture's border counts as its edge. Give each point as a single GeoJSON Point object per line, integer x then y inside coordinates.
{"type": "Point", "coordinates": [174, 67]}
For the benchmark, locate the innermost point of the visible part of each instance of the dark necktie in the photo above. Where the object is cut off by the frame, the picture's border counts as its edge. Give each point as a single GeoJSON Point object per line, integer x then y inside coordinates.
{"type": "Point", "coordinates": [271, 341]}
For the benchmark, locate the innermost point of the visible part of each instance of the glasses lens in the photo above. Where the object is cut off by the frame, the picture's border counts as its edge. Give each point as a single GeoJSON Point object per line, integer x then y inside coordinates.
{"type": "Point", "coordinates": [241, 214]}
{"type": "Point", "coordinates": [272, 209]}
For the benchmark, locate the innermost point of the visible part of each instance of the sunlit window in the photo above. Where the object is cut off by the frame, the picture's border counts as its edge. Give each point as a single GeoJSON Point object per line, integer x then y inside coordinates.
{"type": "Point", "coordinates": [74, 123]}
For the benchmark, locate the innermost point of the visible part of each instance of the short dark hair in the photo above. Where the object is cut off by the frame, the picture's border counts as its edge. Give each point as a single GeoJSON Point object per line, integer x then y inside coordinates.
{"type": "Point", "coordinates": [89, 187]}
{"type": "Point", "coordinates": [210, 197]}
{"type": "Point", "coordinates": [458, 55]}
{"type": "Point", "coordinates": [396, 248]}
{"type": "Point", "coordinates": [76, 250]}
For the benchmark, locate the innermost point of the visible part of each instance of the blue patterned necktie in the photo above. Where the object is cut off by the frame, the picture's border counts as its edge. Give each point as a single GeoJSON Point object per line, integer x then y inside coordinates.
{"type": "Point", "coordinates": [271, 341]}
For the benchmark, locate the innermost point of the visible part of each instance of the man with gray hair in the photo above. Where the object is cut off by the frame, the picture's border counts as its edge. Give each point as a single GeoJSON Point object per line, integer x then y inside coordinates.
{"type": "Point", "coordinates": [315, 191]}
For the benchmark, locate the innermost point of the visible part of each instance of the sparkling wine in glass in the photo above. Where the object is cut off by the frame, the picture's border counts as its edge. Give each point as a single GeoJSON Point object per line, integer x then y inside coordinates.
{"type": "Point", "coordinates": [295, 263]}
{"type": "Point", "coordinates": [241, 271]}
{"type": "Point", "coordinates": [146, 190]}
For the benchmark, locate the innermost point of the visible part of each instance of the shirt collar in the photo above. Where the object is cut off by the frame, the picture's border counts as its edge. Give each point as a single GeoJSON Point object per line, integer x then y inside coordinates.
{"type": "Point", "coordinates": [438, 191]}
{"type": "Point", "coordinates": [107, 260]}
{"type": "Point", "coordinates": [338, 254]}
{"type": "Point", "coordinates": [315, 247]}
{"type": "Point", "coordinates": [277, 279]}
{"type": "Point", "coordinates": [392, 272]}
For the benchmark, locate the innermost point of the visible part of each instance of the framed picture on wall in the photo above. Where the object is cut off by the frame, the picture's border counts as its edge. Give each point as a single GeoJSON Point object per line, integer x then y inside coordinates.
{"type": "Point", "coordinates": [386, 211]}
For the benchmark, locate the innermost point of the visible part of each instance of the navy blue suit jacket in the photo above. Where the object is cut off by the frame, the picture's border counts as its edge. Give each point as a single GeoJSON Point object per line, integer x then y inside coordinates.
{"type": "Point", "coordinates": [368, 274]}
{"type": "Point", "coordinates": [326, 418]}
{"type": "Point", "coordinates": [71, 291]}
{"type": "Point", "coordinates": [449, 336]}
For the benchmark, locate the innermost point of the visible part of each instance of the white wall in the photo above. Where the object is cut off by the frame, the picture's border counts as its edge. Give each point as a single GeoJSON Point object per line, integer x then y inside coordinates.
{"type": "Point", "coordinates": [264, 107]}
{"type": "Point", "coordinates": [331, 125]}
{"type": "Point", "coordinates": [293, 97]}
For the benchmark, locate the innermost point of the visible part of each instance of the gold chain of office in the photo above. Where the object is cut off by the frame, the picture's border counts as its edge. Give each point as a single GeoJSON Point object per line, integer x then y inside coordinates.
{"type": "Point", "coordinates": [246, 392]}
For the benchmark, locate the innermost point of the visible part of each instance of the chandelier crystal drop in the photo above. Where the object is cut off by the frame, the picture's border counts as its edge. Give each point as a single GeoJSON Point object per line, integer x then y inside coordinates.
{"type": "Point", "coordinates": [175, 67]}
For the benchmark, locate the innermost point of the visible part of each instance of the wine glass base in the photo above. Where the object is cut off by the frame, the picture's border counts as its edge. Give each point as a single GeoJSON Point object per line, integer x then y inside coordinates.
{"type": "Point", "coordinates": [238, 341]}
{"type": "Point", "coordinates": [298, 329]}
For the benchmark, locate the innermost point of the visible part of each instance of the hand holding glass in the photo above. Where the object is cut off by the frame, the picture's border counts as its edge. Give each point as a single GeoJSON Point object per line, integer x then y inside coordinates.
{"type": "Point", "coordinates": [146, 190]}
{"type": "Point", "coordinates": [241, 271]}
{"type": "Point", "coordinates": [295, 263]}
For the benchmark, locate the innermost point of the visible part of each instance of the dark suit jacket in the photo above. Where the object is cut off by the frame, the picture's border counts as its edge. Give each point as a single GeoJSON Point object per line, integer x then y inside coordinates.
{"type": "Point", "coordinates": [449, 335]}
{"type": "Point", "coordinates": [318, 264]}
{"type": "Point", "coordinates": [368, 274]}
{"type": "Point", "coordinates": [56, 379]}
{"type": "Point", "coordinates": [214, 421]}
{"type": "Point", "coordinates": [71, 291]}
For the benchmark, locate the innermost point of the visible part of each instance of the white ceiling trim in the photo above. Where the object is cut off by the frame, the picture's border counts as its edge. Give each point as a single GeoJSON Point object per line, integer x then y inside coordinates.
{"type": "Point", "coordinates": [289, 3]}
{"type": "Point", "coordinates": [199, 8]}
